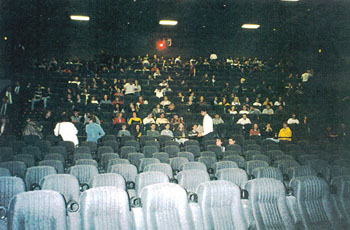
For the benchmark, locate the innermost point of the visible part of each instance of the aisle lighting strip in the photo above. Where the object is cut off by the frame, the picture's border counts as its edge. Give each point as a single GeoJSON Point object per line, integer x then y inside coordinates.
{"type": "Point", "coordinates": [168, 22]}
{"type": "Point", "coordinates": [250, 26]}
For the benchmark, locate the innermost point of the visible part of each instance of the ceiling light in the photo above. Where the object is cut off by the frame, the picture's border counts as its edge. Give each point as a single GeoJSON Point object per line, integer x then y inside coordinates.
{"type": "Point", "coordinates": [250, 26]}
{"type": "Point", "coordinates": [168, 22]}
{"type": "Point", "coordinates": [79, 18]}
{"type": "Point", "coordinates": [289, 0]}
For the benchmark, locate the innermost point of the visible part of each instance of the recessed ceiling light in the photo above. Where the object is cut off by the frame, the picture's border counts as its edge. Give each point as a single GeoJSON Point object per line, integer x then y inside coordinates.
{"type": "Point", "coordinates": [250, 26]}
{"type": "Point", "coordinates": [168, 22]}
{"type": "Point", "coordinates": [79, 18]}
{"type": "Point", "coordinates": [289, 0]}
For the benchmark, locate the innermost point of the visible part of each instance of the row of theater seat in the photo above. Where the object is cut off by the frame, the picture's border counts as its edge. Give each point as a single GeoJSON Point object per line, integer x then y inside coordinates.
{"type": "Point", "coordinates": [163, 205]}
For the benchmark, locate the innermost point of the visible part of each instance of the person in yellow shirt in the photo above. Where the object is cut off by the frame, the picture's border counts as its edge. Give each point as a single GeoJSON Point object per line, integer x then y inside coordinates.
{"type": "Point", "coordinates": [134, 119]}
{"type": "Point", "coordinates": [285, 134]}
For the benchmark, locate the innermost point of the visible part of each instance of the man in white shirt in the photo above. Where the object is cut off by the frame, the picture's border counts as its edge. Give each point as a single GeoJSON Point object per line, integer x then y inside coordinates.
{"type": "Point", "coordinates": [208, 127]}
{"type": "Point", "coordinates": [67, 131]}
{"type": "Point", "coordinates": [293, 120]}
{"type": "Point", "coordinates": [148, 119]}
{"type": "Point", "coordinates": [244, 120]}
{"type": "Point", "coordinates": [129, 88]}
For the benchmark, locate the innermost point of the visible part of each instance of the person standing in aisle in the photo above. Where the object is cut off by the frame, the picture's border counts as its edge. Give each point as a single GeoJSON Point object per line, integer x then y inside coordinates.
{"type": "Point", "coordinates": [94, 131]}
{"type": "Point", "coordinates": [208, 127]}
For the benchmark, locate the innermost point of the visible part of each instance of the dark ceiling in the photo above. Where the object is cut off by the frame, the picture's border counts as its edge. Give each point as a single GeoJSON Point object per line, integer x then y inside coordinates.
{"type": "Point", "coordinates": [131, 26]}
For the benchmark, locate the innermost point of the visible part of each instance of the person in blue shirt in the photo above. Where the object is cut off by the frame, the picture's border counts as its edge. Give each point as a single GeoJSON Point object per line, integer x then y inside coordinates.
{"type": "Point", "coordinates": [94, 131]}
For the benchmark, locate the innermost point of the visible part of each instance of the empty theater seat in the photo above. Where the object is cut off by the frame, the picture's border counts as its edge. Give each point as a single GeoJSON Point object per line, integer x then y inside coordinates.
{"type": "Point", "coordinates": [105, 208]}
{"type": "Point", "coordinates": [221, 206]}
{"type": "Point", "coordinates": [37, 210]}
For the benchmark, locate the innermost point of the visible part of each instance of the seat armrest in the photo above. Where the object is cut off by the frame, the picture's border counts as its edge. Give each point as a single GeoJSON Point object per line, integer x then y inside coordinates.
{"type": "Point", "coordinates": [196, 216]}
{"type": "Point", "coordinates": [293, 210]}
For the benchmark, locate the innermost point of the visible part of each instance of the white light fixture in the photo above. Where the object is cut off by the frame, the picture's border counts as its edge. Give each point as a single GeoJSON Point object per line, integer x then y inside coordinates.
{"type": "Point", "coordinates": [79, 18]}
{"type": "Point", "coordinates": [250, 26]}
{"type": "Point", "coordinates": [168, 22]}
{"type": "Point", "coordinates": [289, 0]}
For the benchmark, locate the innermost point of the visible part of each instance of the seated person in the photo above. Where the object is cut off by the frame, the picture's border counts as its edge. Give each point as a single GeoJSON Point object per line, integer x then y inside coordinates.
{"type": "Point", "coordinates": [76, 117]}
{"type": "Point", "coordinates": [217, 120]}
{"type": "Point", "coordinates": [166, 131]}
{"type": "Point", "coordinates": [119, 119]}
{"type": "Point", "coordinates": [268, 132]}
{"type": "Point", "coordinates": [231, 141]}
{"type": "Point", "coordinates": [267, 102]}
{"type": "Point", "coordinates": [157, 110]}
{"type": "Point", "coordinates": [180, 134]}
{"type": "Point", "coordinates": [232, 110]}
{"type": "Point", "coordinates": [165, 102]}
{"type": "Point", "coordinates": [123, 131]}
{"type": "Point", "coordinates": [293, 120]}
{"type": "Point", "coordinates": [257, 102]}
{"type": "Point", "coordinates": [255, 131]}
{"type": "Point", "coordinates": [149, 119]}
{"type": "Point", "coordinates": [105, 100]}
{"type": "Point", "coordinates": [219, 143]}
{"type": "Point", "coordinates": [285, 134]}
{"type": "Point", "coordinates": [136, 131]}
{"type": "Point", "coordinates": [153, 132]}
{"type": "Point", "coordinates": [134, 119]}
{"type": "Point", "coordinates": [268, 110]}
{"type": "Point", "coordinates": [162, 120]}
{"type": "Point", "coordinates": [253, 110]}
{"type": "Point", "coordinates": [193, 132]}
{"type": "Point", "coordinates": [244, 120]}
{"type": "Point", "coordinates": [141, 101]}
{"type": "Point", "coordinates": [244, 110]}
{"type": "Point", "coordinates": [176, 120]}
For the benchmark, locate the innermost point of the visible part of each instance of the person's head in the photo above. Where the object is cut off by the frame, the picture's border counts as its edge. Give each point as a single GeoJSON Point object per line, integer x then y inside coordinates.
{"type": "Point", "coordinates": [149, 115]}
{"type": "Point", "coordinates": [267, 99]}
{"type": "Point", "coordinates": [123, 127]}
{"type": "Point", "coordinates": [194, 127]}
{"type": "Point", "coordinates": [201, 98]}
{"type": "Point", "coordinates": [268, 106]}
{"type": "Point", "coordinates": [236, 99]}
{"type": "Point", "coordinates": [162, 115]}
{"type": "Point", "coordinates": [131, 105]}
{"type": "Point", "coordinates": [180, 126]}
{"type": "Point", "coordinates": [48, 113]}
{"type": "Point", "coordinates": [280, 107]}
{"type": "Point", "coordinates": [167, 126]}
{"type": "Point", "coordinates": [137, 127]}
{"type": "Point", "coordinates": [91, 119]}
{"type": "Point", "coordinates": [158, 106]}
{"type": "Point", "coordinates": [293, 116]}
{"type": "Point", "coordinates": [255, 126]}
{"type": "Point", "coordinates": [120, 115]}
{"type": "Point", "coordinates": [105, 97]}
{"type": "Point", "coordinates": [218, 142]}
{"type": "Point", "coordinates": [64, 118]}
{"type": "Point", "coordinates": [140, 98]}
{"type": "Point", "coordinates": [231, 141]}
{"type": "Point", "coordinates": [244, 116]}
{"type": "Point", "coordinates": [285, 125]}
{"type": "Point", "coordinates": [165, 98]}
{"type": "Point", "coordinates": [153, 127]}
{"type": "Point", "coordinates": [176, 116]}
{"type": "Point", "coordinates": [257, 100]}
{"type": "Point", "coordinates": [76, 113]}
{"type": "Point", "coordinates": [203, 112]}
{"type": "Point", "coordinates": [217, 116]}
{"type": "Point", "coordinates": [134, 115]}
{"type": "Point", "coordinates": [244, 107]}
{"type": "Point", "coordinates": [268, 125]}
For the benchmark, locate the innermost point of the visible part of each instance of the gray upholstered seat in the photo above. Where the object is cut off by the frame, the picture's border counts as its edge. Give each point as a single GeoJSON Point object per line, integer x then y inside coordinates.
{"type": "Point", "coordinates": [163, 157]}
{"type": "Point", "coordinates": [165, 207]}
{"type": "Point", "coordinates": [194, 165]}
{"type": "Point", "coordinates": [188, 155]}
{"type": "Point", "coordinates": [221, 206]}
{"type": "Point", "coordinates": [224, 164]}
{"type": "Point", "coordinates": [160, 167]}
{"type": "Point", "coordinates": [147, 161]}
{"type": "Point", "coordinates": [314, 203]}
{"type": "Point", "coordinates": [105, 208]}
{"type": "Point", "coordinates": [176, 162]}
{"type": "Point", "coordinates": [53, 163]}
{"type": "Point", "coordinates": [269, 205]}
{"type": "Point", "coordinates": [4, 172]}
{"type": "Point", "coordinates": [342, 196]}
{"type": "Point", "coordinates": [26, 158]}
{"type": "Point", "coordinates": [37, 210]}
{"type": "Point", "coordinates": [106, 157]}
{"type": "Point", "coordinates": [10, 186]}
{"type": "Point", "coordinates": [148, 178]}
{"type": "Point", "coordinates": [128, 171]}
{"type": "Point", "coordinates": [116, 161]}
{"type": "Point", "coordinates": [250, 165]}
{"type": "Point", "coordinates": [35, 174]}
{"type": "Point", "coordinates": [236, 158]}
{"type": "Point", "coordinates": [268, 172]}
{"type": "Point", "coordinates": [84, 173]}
{"type": "Point", "coordinates": [235, 175]}
{"type": "Point", "coordinates": [208, 161]}
{"type": "Point", "coordinates": [17, 168]}
{"type": "Point", "coordinates": [284, 165]}
{"type": "Point", "coordinates": [190, 179]}
{"type": "Point", "coordinates": [298, 171]}
{"type": "Point", "coordinates": [108, 179]}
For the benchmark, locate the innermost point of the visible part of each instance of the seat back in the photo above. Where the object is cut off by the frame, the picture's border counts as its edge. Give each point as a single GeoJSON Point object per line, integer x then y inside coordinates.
{"type": "Point", "coordinates": [250, 165]}
{"type": "Point", "coordinates": [53, 163]}
{"type": "Point", "coordinates": [35, 174]}
{"type": "Point", "coordinates": [299, 171]}
{"type": "Point", "coordinates": [314, 203]}
{"type": "Point", "coordinates": [268, 199]}
{"type": "Point", "coordinates": [220, 203]}
{"type": "Point", "coordinates": [342, 186]}
{"type": "Point", "coordinates": [165, 206]}
{"type": "Point", "coordinates": [160, 167]}
{"type": "Point", "coordinates": [268, 172]}
{"type": "Point", "coordinates": [17, 168]}
{"type": "Point", "coordinates": [84, 173]}
{"type": "Point", "coordinates": [9, 187]}
{"type": "Point", "coordinates": [105, 207]}
{"type": "Point", "coordinates": [108, 179]}
{"type": "Point", "coordinates": [235, 175]}
{"type": "Point", "coordinates": [190, 179]}
{"type": "Point", "coordinates": [37, 210]}
{"type": "Point", "coordinates": [148, 178]}
{"type": "Point", "coordinates": [128, 171]}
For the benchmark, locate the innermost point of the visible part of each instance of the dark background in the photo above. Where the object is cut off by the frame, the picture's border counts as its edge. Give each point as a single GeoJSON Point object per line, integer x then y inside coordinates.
{"type": "Point", "coordinates": [130, 27]}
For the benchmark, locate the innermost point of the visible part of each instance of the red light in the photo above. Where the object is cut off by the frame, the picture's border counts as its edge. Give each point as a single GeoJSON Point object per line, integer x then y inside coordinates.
{"type": "Point", "coordinates": [161, 45]}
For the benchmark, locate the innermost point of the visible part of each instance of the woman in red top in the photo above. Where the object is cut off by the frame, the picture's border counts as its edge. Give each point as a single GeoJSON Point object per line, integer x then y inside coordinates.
{"type": "Point", "coordinates": [255, 131]}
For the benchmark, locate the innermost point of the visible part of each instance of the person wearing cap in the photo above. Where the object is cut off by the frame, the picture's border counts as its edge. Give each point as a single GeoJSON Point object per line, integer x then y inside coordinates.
{"type": "Point", "coordinates": [208, 127]}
